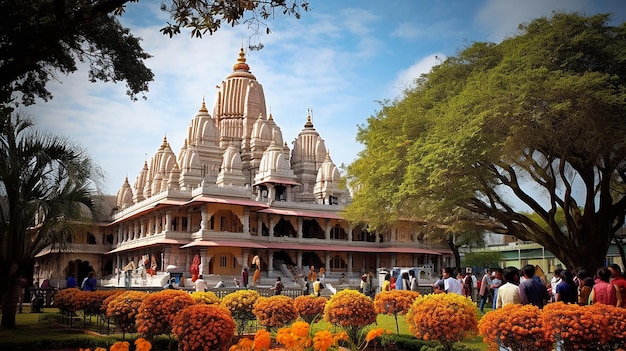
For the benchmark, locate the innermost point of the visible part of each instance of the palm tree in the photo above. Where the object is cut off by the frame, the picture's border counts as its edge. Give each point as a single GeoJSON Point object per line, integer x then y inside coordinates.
{"type": "Point", "coordinates": [46, 189]}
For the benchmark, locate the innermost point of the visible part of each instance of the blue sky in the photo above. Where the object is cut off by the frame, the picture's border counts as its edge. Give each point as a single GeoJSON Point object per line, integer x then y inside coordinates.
{"type": "Point", "coordinates": [340, 59]}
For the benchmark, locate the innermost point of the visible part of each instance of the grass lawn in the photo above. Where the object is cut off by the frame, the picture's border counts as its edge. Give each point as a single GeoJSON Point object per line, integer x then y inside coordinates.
{"type": "Point", "coordinates": [43, 327]}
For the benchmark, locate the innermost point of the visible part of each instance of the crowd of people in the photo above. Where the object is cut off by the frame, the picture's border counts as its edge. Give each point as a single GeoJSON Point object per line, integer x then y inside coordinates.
{"type": "Point", "coordinates": [499, 287]}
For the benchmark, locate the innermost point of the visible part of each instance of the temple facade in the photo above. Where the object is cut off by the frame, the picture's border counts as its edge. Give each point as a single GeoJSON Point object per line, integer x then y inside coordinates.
{"type": "Point", "coordinates": [235, 190]}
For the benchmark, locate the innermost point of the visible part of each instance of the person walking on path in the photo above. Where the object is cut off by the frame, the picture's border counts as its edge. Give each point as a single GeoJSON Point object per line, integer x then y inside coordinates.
{"type": "Point", "coordinates": [485, 290]}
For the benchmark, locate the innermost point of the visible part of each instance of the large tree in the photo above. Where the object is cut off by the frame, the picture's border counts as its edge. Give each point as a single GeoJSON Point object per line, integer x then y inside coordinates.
{"type": "Point", "coordinates": [46, 191]}
{"type": "Point", "coordinates": [534, 124]}
{"type": "Point", "coordinates": [41, 38]}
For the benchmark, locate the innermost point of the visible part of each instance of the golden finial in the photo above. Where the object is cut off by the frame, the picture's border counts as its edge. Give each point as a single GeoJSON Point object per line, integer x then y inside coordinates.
{"type": "Point", "coordinates": [309, 123]}
{"type": "Point", "coordinates": [241, 64]}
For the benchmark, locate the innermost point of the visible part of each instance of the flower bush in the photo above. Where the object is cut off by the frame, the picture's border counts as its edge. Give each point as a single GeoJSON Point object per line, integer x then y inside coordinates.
{"type": "Point", "coordinates": [616, 328]}
{"type": "Point", "coordinates": [123, 309]}
{"type": "Point", "coordinates": [351, 310]}
{"type": "Point", "coordinates": [105, 302]}
{"type": "Point", "coordinates": [205, 297]}
{"type": "Point", "coordinates": [298, 337]}
{"type": "Point", "coordinates": [156, 312]}
{"type": "Point", "coordinates": [91, 301]}
{"type": "Point", "coordinates": [240, 304]}
{"type": "Point", "coordinates": [141, 344]}
{"type": "Point", "coordinates": [203, 327]}
{"type": "Point", "coordinates": [275, 311]}
{"type": "Point", "coordinates": [516, 327]}
{"type": "Point", "coordinates": [447, 318]}
{"type": "Point", "coordinates": [310, 308]}
{"type": "Point", "coordinates": [395, 302]}
{"type": "Point", "coordinates": [575, 327]}
{"type": "Point", "coordinates": [65, 300]}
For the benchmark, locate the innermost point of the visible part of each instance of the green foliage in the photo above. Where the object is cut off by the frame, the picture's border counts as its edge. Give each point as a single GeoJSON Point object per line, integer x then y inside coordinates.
{"type": "Point", "coordinates": [42, 177]}
{"type": "Point", "coordinates": [43, 38]}
{"type": "Point", "coordinates": [482, 259]}
{"type": "Point", "coordinates": [534, 124]}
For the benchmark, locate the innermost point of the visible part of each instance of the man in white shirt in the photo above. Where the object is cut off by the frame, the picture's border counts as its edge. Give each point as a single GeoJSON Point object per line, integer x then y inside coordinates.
{"type": "Point", "coordinates": [509, 292]}
{"type": "Point", "coordinates": [451, 284]}
{"type": "Point", "coordinates": [200, 284]}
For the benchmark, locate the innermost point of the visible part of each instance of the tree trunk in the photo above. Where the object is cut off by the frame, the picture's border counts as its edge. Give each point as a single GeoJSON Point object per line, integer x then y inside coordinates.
{"type": "Point", "coordinates": [456, 253]}
{"type": "Point", "coordinates": [9, 303]}
{"type": "Point", "coordinates": [620, 247]}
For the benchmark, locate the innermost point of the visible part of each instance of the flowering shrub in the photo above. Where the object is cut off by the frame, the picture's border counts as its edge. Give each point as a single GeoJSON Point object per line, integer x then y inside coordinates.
{"type": "Point", "coordinates": [123, 309]}
{"type": "Point", "coordinates": [240, 304]}
{"type": "Point", "coordinates": [203, 327]}
{"type": "Point", "coordinates": [310, 308]}
{"type": "Point", "coordinates": [447, 318]}
{"type": "Point", "coordinates": [91, 301]}
{"type": "Point", "coordinates": [395, 302]}
{"type": "Point", "coordinates": [141, 344]}
{"type": "Point", "coordinates": [275, 311]}
{"type": "Point", "coordinates": [205, 297]}
{"type": "Point", "coordinates": [616, 328]}
{"type": "Point", "coordinates": [105, 302]}
{"type": "Point", "coordinates": [157, 311]}
{"type": "Point", "coordinates": [65, 300]}
{"type": "Point", "coordinates": [351, 310]}
{"type": "Point", "coordinates": [516, 327]}
{"type": "Point", "coordinates": [298, 337]}
{"type": "Point", "coordinates": [575, 327]}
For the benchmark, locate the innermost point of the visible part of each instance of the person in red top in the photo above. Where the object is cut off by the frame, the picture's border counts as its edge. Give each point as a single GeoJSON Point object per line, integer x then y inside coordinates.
{"type": "Point", "coordinates": [618, 279]}
{"type": "Point", "coordinates": [605, 292]}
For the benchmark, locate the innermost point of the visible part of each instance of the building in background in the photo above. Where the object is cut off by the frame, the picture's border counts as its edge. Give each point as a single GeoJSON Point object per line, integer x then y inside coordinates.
{"type": "Point", "coordinates": [234, 191]}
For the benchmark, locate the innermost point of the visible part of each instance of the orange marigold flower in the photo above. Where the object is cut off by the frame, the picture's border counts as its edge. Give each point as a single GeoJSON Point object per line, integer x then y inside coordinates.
{"type": "Point", "coordinates": [120, 346]}
{"type": "Point", "coordinates": [323, 340]}
{"type": "Point", "coordinates": [262, 340]}
{"type": "Point", "coordinates": [374, 333]}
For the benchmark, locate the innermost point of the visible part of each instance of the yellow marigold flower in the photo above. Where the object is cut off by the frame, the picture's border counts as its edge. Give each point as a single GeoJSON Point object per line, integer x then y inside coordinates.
{"type": "Point", "coordinates": [120, 346]}
{"type": "Point", "coordinates": [100, 349]}
{"type": "Point", "coordinates": [262, 340]}
{"type": "Point", "coordinates": [323, 340]}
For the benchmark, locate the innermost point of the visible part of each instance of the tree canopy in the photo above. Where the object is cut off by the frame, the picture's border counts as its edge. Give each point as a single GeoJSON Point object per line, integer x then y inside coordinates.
{"type": "Point", "coordinates": [534, 124]}
{"type": "Point", "coordinates": [40, 39]}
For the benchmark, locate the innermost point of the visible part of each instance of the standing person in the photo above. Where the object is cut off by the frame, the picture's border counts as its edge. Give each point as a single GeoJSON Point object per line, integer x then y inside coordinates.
{"type": "Point", "coordinates": [605, 292]}
{"type": "Point", "coordinates": [71, 281]}
{"type": "Point", "coordinates": [413, 282]}
{"type": "Point", "coordinates": [311, 277]}
{"type": "Point", "coordinates": [585, 291]}
{"type": "Point", "coordinates": [317, 287]}
{"type": "Point", "coordinates": [467, 283]}
{"type": "Point", "coordinates": [618, 279]}
{"type": "Point", "coordinates": [485, 290]}
{"type": "Point", "coordinates": [244, 277]}
{"type": "Point", "coordinates": [386, 283]}
{"type": "Point", "coordinates": [508, 293]}
{"type": "Point", "coordinates": [474, 285]}
{"type": "Point", "coordinates": [451, 284]}
{"type": "Point", "coordinates": [278, 286]}
{"type": "Point", "coordinates": [567, 290]}
{"type": "Point", "coordinates": [556, 280]}
{"type": "Point", "coordinates": [403, 282]}
{"type": "Point", "coordinates": [531, 289]}
{"type": "Point", "coordinates": [496, 281]}
{"type": "Point", "coordinates": [200, 284]}
{"type": "Point", "coordinates": [91, 282]}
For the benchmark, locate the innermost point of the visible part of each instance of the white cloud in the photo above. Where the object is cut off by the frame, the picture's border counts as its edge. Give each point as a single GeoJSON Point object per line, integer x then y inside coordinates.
{"type": "Point", "coordinates": [406, 78]}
